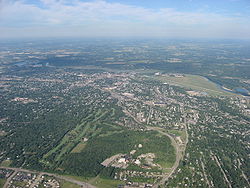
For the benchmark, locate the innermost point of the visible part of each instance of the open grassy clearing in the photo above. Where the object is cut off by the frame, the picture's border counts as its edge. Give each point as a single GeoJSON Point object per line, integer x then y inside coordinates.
{"type": "Point", "coordinates": [19, 183]}
{"type": "Point", "coordinates": [83, 149]}
{"type": "Point", "coordinates": [110, 133]}
{"type": "Point", "coordinates": [106, 183]}
{"type": "Point", "coordinates": [75, 137]}
{"type": "Point", "coordinates": [87, 162]}
{"type": "Point", "coordinates": [97, 181]}
{"type": "Point", "coordinates": [180, 133]}
{"type": "Point", "coordinates": [2, 182]}
{"type": "Point", "coordinates": [67, 143]}
{"type": "Point", "coordinates": [194, 82]}
{"type": "Point", "coordinates": [64, 140]}
{"type": "Point", "coordinates": [6, 163]}
{"type": "Point", "coordinates": [79, 147]}
{"type": "Point", "coordinates": [78, 178]}
{"type": "Point", "coordinates": [141, 179]}
{"type": "Point", "coordinates": [167, 170]}
{"type": "Point", "coordinates": [66, 184]}
{"type": "Point", "coordinates": [164, 164]}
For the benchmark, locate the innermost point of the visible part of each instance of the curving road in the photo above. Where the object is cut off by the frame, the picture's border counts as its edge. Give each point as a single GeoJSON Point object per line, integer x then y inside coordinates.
{"type": "Point", "coordinates": [178, 156]}
{"type": "Point", "coordinates": [165, 177]}
{"type": "Point", "coordinates": [80, 183]}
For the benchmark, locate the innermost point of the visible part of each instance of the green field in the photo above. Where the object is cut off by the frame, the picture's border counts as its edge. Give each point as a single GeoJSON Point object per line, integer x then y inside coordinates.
{"type": "Point", "coordinates": [79, 178]}
{"type": "Point", "coordinates": [6, 163]}
{"type": "Point", "coordinates": [182, 134]}
{"type": "Point", "coordinates": [19, 183]}
{"type": "Point", "coordinates": [66, 184]}
{"type": "Point", "coordinates": [81, 150]}
{"type": "Point", "coordinates": [2, 182]}
{"type": "Point", "coordinates": [87, 162]}
{"type": "Point", "coordinates": [72, 141]}
{"type": "Point", "coordinates": [79, 147]}
{"type": "Point", "coordinates": [194, 82]}
{"type": "Point", "coordinates": [106, 183]}
{"type": "Point", "coordinates": [97, 181]}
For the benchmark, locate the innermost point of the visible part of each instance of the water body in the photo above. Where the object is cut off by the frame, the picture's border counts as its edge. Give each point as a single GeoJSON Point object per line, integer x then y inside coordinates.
{"type": "Point", "coordinates": [242, 90]}
{"type": "Point", "coordinates": [238, 90]}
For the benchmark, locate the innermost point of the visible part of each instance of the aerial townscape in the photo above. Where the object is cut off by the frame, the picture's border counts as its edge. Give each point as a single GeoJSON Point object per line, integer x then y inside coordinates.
{"type": "Point", "coordinates": [124, 94]}
{"type": "Point", "coordinates": [122, 115]}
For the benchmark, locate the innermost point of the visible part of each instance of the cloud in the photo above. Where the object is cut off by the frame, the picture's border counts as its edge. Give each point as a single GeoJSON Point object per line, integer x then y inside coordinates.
{"type": "Point", "coordinates": [103, 18]}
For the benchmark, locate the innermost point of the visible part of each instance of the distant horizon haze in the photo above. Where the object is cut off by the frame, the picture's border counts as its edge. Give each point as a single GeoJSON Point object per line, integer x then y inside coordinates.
{"type": "Point", "coordinates": [195, 19]}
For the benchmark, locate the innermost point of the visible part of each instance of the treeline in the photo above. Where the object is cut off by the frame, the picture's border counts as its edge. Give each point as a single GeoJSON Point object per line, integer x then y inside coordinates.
{"type": "Point", "coordinates": [88, 162]}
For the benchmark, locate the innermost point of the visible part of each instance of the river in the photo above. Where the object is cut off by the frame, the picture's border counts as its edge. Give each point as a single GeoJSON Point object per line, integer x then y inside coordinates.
{"type": "Point", "coordinates": [238, 91]}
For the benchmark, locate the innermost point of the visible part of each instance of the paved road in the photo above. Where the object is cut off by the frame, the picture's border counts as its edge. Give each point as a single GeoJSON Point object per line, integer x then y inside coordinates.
{"type": "Point", "coordinates": [82, 184]}
{"type": "Point", "coordinates": [8, 180]}
{"type": "Point", "coordinates": [179, 152]}
{"type": "Point", "coordinates": [178, 156]}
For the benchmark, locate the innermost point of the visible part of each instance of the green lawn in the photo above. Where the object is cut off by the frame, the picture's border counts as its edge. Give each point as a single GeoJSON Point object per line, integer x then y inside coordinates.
{"type": "Point", "coordinates": [19, 183]}
{"type": "Point", "coordinates": [6, 163]}
{"type": "Point", "coordinates": [87, 162]}
{"type": "Point", "coordinates": [96, 181]}
{"type": "Point", "coordinates": [79, 147]}
{"type": "Point", "coordinates": [2, 182]}
{"type": "Point", "coordinates": [194, 82]}
{"type": "Point", "coordinates": [106, 183]}
{"type": "Point", "coordinates": [79, 178]}
{"type": "Point", "coordinates": [182, 134]}
{"type": "Point", "coordinates": [70, 140]}
{"type": "Point", "coordinates": [66, 184]}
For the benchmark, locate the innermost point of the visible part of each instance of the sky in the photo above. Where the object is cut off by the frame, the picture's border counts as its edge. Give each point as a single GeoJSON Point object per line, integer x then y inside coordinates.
{"type": "Point", "coordinates": [225, 19]}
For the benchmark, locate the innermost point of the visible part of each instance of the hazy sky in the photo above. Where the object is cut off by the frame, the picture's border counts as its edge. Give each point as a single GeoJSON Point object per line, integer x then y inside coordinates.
{"type": "Point", "coordinates": [125, 18]}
